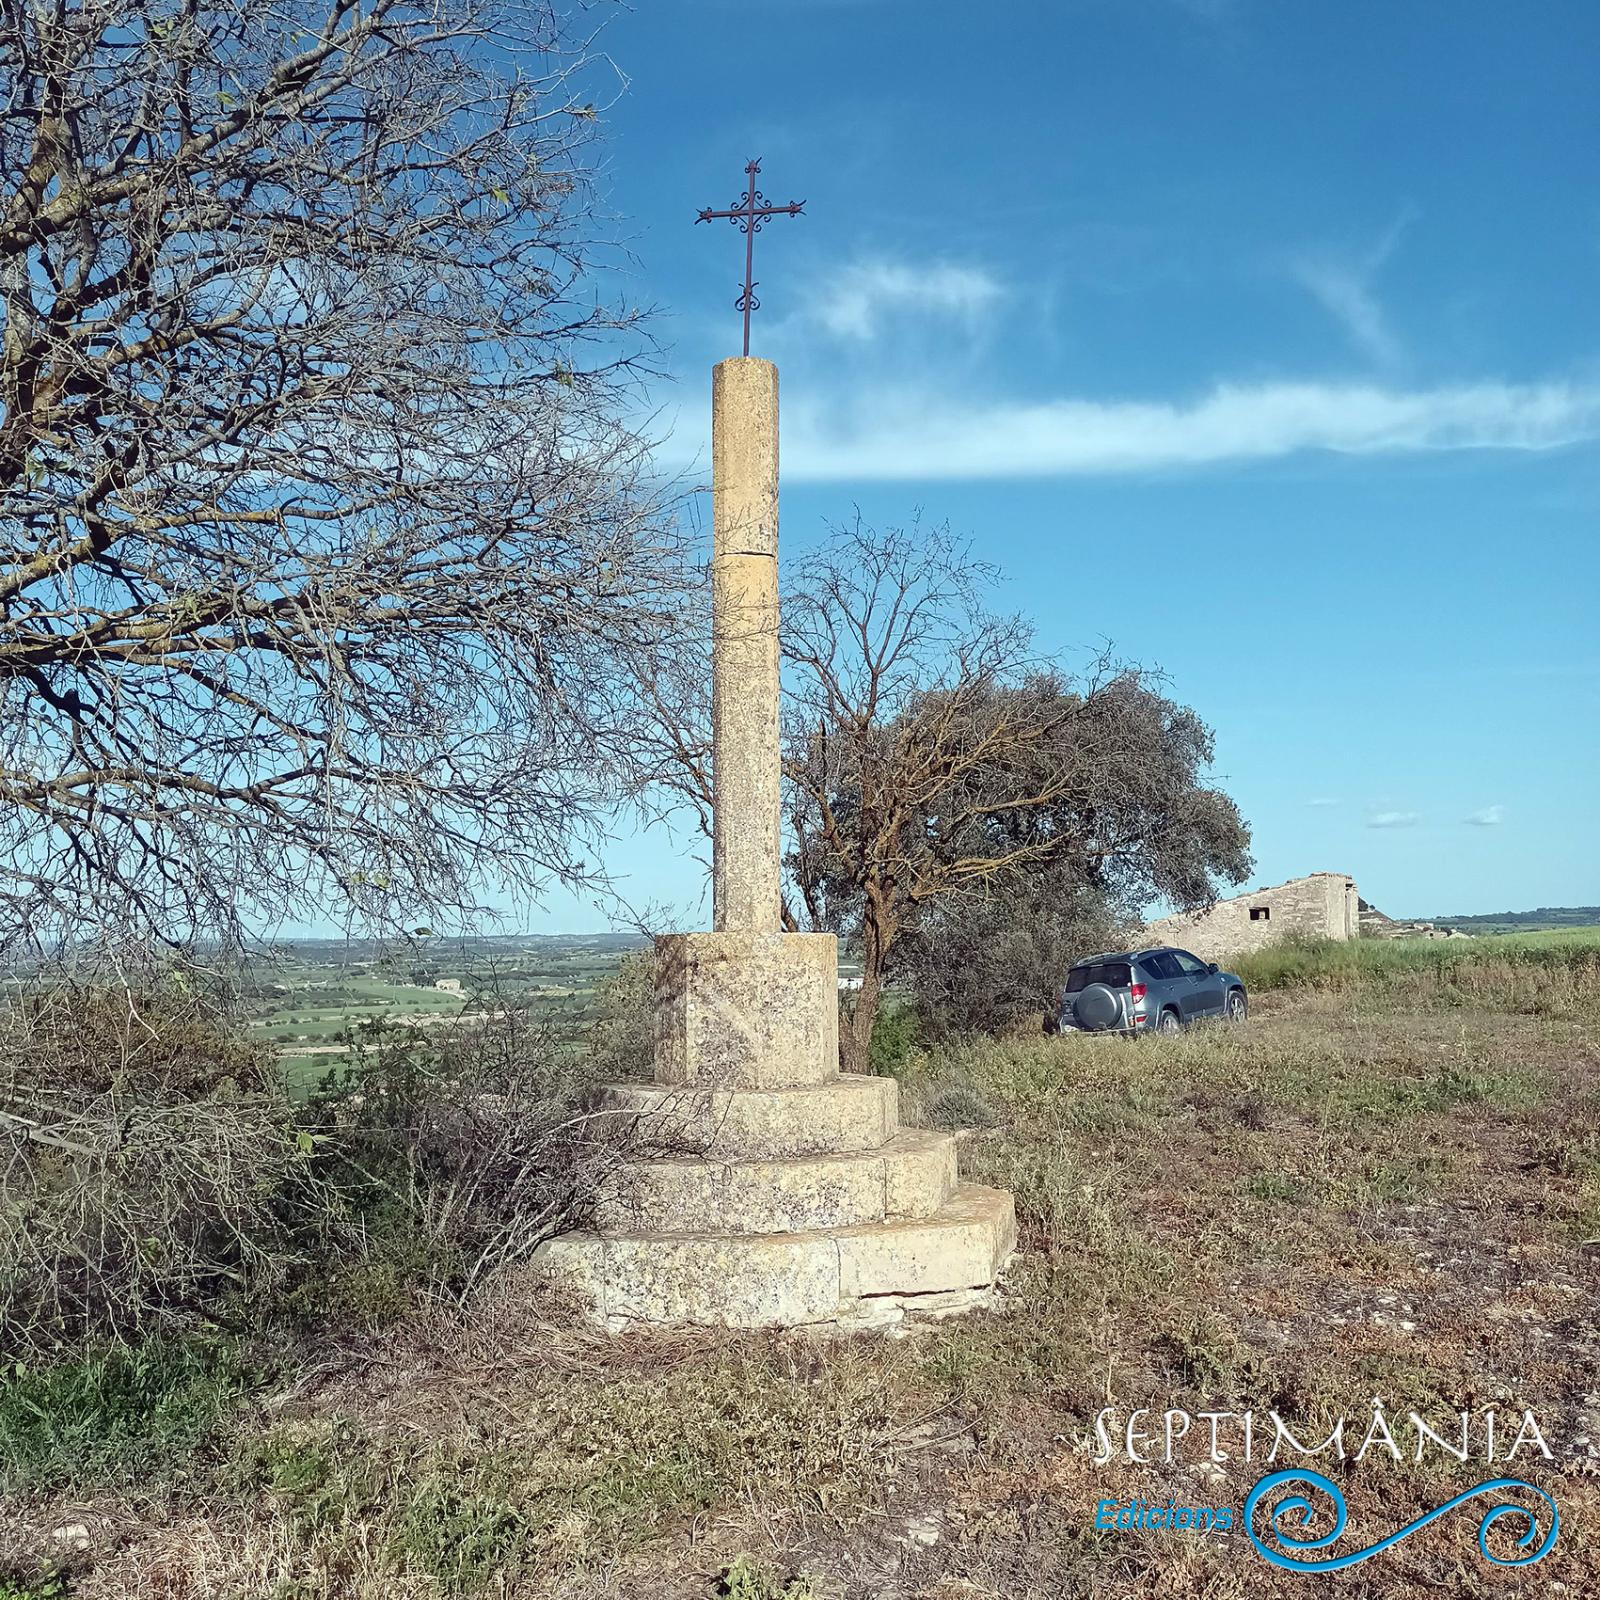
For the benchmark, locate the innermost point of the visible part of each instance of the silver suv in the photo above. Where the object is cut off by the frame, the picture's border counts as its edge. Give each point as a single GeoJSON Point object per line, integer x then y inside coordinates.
{"type": "Point", "coordinates": [1158, 990]}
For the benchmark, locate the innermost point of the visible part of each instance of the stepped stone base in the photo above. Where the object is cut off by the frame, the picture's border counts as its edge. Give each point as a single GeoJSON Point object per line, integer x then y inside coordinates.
{"type": "Point", "coordinates": [769, 1190]}
{"type": "Point", "coordinates": [863, 1276]}
{"type": "Point", "coordinates": [910, 1176]}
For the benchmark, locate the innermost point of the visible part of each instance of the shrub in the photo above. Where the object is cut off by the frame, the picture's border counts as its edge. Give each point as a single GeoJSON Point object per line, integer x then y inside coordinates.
{"type": "Point", "coordinates": [988, 965]}
{"type": "Point", "coordinates": [958, 1105]}
{"type": "Point", "coordinates": [622, 1037]}
{"type": "Point", "coordinates": [894, 1036]}
{"type": "Point", "coordinates": [156, 1174]}
{"type": "Point", "coordinates": [149, 1154]}
{"type": "Point", "coordinates": [457, 1150]}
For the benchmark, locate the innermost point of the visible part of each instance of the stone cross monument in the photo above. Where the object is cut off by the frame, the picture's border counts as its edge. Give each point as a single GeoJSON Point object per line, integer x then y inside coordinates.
{"type": "Point", "coordinates": [768, 1188]}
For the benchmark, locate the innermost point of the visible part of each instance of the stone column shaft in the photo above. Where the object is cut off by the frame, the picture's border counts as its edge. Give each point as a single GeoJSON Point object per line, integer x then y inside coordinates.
{"type": "Point", "coordinates": [746, 762]}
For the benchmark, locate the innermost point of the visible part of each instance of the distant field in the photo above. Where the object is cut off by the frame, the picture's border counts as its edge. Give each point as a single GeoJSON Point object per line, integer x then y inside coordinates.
{"type": "Point", "coordinates": [1454, 966]}
{"type": "Point", "coordinates": [1546, 937]}
{"type": "Point", "coordinates": [1546, 918]}
{"type": "Point", "coordinates": [308, 999]}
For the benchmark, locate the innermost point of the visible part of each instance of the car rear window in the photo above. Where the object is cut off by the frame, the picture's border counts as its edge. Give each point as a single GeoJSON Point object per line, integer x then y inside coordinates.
{"type": "Point", "coordinates": [1114, 973]}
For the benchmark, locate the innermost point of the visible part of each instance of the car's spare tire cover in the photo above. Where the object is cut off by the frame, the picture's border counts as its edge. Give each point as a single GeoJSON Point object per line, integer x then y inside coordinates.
{"type": "Point", "coordinates": [1096, 1007]}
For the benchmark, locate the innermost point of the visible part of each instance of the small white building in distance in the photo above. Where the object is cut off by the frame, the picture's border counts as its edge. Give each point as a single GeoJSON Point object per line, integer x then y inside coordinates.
{"type": "Point", "coordinates": [448, 985]}
{"type": "Point", "coordinates": [1322, 906]}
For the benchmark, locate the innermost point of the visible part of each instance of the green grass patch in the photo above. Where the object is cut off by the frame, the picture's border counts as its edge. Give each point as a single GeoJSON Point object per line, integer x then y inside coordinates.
{"type": "Point", "coordinates": [1050, 1339]}
{"type": "Point", "coordinates": [746, 1578]}
{"type": "Point", "coordinates": [54, 1588]}
{"type": "Point", "coordinates": [1390, 1094]}
{"type": "Point", "coordinates": [1282, 1187]}
{"type": "Point", "coordinates": [116, 1415]}
{"type": "Point", "coordinates": [461, 1528]}
{"type": "Point", "coordinates": [1527, 972]}
{"type": "Point", "coordinates": [590, 1468]}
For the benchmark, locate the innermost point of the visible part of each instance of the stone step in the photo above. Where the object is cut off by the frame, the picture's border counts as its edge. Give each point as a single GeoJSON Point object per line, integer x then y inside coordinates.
{"type": "Point", "coordinates": [859, 1276]}
{"type": "Point", "coordinates": [849, 1113]}
{"type": "Point", "coordinates": [910, 1176]}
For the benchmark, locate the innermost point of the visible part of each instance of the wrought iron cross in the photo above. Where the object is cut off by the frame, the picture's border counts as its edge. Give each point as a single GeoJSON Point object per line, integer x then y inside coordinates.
{"type": "Point", "coordinates": [749, 214]}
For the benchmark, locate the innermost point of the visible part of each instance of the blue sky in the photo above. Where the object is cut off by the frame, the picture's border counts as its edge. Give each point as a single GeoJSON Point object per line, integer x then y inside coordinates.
{"type": "Point", "coordinates": [1260, 339]}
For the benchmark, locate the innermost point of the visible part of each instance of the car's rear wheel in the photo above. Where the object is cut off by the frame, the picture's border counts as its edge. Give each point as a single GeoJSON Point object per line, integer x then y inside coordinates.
{"type": "Point", "coordinates": [1168, 1022]}
{"type": "Point", "coordinates": [1238, 1008]}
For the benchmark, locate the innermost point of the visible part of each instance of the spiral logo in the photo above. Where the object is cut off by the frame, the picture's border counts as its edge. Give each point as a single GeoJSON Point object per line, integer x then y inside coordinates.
{"type": "Point", "coordinates": [1296, 1511]}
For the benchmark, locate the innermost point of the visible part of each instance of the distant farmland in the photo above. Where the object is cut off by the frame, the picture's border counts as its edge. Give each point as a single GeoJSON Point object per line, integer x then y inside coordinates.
{"type": "Point", "coordinates": [308, 995]}
{"type": "Point", "coordinates": [1545, 919]}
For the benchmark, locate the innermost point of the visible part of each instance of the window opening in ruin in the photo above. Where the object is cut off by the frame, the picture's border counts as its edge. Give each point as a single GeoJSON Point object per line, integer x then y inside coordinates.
{"type": "Point", "coordinates": [1260, 913]}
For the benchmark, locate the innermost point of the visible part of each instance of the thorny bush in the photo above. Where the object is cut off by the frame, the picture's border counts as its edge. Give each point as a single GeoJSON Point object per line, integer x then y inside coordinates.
{"type": "Point", "coordinates": [156, 1175]}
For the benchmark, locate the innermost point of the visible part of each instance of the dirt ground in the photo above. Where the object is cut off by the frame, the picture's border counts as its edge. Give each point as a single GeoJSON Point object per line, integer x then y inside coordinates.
{"type": "Point", "coordinates": [1379, 1195]}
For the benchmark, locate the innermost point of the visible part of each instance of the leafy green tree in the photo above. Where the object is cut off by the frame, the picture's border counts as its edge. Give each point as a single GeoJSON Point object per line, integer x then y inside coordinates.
{"type": "Point", "coordinates": [937, 765]}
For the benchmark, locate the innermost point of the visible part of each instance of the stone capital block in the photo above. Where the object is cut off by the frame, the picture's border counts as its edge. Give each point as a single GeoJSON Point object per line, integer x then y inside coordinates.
{"type": "Point", "coordinates": [744, 457]}
{"type": "Point", "coordinates": [747, 1010]}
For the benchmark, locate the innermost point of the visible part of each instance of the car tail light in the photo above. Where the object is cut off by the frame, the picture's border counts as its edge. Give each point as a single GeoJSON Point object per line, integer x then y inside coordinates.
{"type": "Point", "coordinates": [1137, 991]}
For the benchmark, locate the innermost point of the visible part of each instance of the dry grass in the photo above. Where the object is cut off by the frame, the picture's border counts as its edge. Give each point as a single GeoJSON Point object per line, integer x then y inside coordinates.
{"type": "Point", "coordinates": [1376, 1188]}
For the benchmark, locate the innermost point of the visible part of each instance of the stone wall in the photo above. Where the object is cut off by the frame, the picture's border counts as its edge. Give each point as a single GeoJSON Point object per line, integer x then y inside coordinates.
{"type": "Point", "coordinates": [1324, 905]}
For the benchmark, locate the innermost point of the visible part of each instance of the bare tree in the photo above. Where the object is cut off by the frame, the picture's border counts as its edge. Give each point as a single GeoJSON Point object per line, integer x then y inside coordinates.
{"type": "Point", "coordinates": [322, 529]}
{"type": "Point", "coordinates": [903, 742]}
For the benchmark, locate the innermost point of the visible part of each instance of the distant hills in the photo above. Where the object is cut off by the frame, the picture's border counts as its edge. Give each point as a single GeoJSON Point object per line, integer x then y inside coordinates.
{"type": "Point", "coordinates": [355, 952]}
{"type": "Point", "coordinates": [1524, 921]}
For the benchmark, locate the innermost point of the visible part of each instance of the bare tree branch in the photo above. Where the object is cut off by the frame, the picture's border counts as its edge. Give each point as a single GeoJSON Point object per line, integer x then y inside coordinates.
{"type": "Point", "coordinates": [324, 539]}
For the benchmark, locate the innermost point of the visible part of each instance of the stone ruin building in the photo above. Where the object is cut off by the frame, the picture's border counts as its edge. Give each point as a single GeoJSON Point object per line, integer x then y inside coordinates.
{"type": "Point", "coordinates": [1324, 905]}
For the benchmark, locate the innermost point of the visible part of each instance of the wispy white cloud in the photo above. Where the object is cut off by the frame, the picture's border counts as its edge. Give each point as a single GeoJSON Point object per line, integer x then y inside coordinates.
{"type": "Point", "coordinates": [1322, 800]}
{"type": "Point", "coordinates": [1345, 289]}
{"type": "Point", "coordinates": [1488, 817]}
{"type": "Point", "coordinates": [1393, 819]}
{"type": "Point", "coordinates": [914, 433]}
{"type": "Point", "coordinates": [855, 301]}
{"type": "Point", "coordinates": [1348, 296]}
